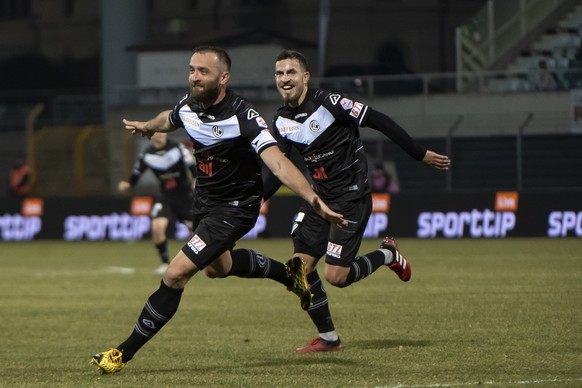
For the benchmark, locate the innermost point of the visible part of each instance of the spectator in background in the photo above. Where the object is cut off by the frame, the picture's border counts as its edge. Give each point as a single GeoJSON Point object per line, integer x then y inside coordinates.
{"type": "Point", "coordinates": [19, 179]}
{"type": "Point", "coordinates": [545, 80]}
{"type": "Point", "coordinates": [574, 74]}
{"type": "Point", "coordinates": [381, 180]}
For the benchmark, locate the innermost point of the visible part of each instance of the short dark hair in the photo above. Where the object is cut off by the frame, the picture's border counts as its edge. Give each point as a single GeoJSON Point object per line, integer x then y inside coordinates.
{"type": "Point", "coordinates": [292, 54]}
{"type": "Point", "coordinates": [222, 55]}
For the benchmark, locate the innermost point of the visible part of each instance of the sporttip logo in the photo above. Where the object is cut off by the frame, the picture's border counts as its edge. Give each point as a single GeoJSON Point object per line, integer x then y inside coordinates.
{"type": "Point", "coordinates": [484, 223]}
{"type": "Point", "coordinates": [562, 222]}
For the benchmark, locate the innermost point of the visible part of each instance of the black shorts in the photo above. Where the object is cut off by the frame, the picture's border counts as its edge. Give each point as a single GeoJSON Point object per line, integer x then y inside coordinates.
{"type": "Point", "coordinates": [315, 236]}
{"type": "Point", "coordinates": [216, 230]}
{"type": "Point", "coordinates": [173, 208]}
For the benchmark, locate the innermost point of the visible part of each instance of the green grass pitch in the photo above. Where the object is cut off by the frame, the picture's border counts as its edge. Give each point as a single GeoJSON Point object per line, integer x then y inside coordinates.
{"type": "Point", "coordinates": [476, 312]}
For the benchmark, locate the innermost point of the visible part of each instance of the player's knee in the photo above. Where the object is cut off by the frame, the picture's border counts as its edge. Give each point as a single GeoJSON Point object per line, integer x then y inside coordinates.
{"type": "Point", "coordinates": [336, 278]}
{"type": "Point", "coordinates": [213, 273]}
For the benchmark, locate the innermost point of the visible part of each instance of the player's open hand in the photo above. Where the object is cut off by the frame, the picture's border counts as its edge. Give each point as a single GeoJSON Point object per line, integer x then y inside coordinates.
{"type": "Point", "coordinates": [321, 208]}
{"type": "Point", "coordinates": [138, 128]}
{"type": "Point", "coordinates": [442, 162]}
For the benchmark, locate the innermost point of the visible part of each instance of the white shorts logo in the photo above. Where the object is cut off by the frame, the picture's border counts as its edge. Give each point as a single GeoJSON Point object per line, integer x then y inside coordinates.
{"type": "Point", "coordinates": [334, 250]}
{"type": "Point", "coordinates": [196, 244]}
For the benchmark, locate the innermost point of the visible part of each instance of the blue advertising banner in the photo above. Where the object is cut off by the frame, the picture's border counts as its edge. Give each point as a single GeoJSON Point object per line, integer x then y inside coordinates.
{"type": "Point", "coordinates": [428, 215]}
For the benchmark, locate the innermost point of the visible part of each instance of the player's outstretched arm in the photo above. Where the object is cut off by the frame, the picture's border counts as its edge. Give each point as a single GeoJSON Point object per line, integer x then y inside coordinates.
{"type": "Point", "coordinates": [287, 173]}
{"type": "Point", "coordinates": [160, 123]}
{"type": "Point", "coordinates": [442, 162]}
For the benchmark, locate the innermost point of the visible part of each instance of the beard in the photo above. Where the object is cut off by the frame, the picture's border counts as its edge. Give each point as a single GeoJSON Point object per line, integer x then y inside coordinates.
{"type": "Point", "coordinates": [291, 98]}
{"type": "Point", "coordinates": [208, 94]}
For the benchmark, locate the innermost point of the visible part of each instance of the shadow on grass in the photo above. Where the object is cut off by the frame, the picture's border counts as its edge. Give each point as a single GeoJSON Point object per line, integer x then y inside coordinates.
{"type": "Point", "coordinates": [386, 344]}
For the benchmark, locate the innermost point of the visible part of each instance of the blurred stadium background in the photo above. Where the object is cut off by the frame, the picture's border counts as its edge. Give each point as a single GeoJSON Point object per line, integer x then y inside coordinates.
{"type": "Point", "coordinates": [458, 75]}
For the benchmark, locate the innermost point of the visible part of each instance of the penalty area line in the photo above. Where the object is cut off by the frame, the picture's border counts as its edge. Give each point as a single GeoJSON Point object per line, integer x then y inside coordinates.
{"type": "Point", "coordinates": [106, 270]}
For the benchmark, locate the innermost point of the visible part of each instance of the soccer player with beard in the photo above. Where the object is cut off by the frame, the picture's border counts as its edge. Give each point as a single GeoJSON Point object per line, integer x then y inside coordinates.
{"type": "Point", "coordinates": [228, 136]}
{"type": "Point", "coordinates": [324, 128]}
{"type": "Point", "coordinates": [173, 166]}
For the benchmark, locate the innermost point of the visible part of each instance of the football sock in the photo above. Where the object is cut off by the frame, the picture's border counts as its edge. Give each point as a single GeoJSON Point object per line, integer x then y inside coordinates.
{"type": "Point", "coordinates": [330, 337]}
{"type": "Point", "coordinates": [158, 310]}
{"type": "Point", "coordinates": [247, 263]}
{"type": "Point", "coordinates": [388, 255]}
{"type": "Point", "coordinates": [163, 251]}
{"type": "Point", "coordinates": [319, 310]}
{"type": "Point", "coordinates": [363, 266]}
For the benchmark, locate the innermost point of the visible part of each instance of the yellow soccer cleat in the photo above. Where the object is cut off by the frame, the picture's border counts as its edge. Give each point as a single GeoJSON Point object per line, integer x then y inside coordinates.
{"type": "Point", "coordinates": [297, 281]}
{"type": "Point", "coordinates": [109, 362]}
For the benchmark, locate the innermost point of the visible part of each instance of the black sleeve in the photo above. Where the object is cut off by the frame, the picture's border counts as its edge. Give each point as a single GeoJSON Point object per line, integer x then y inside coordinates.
{"type": "Point", "coordinates": [138, 168]}
{"type": "Point", "coordinates": [381, 122]}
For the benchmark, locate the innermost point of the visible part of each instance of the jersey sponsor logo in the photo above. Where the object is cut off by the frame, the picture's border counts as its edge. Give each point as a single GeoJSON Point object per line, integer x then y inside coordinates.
{"type": "Point", "coordinates": [205, 167]}
{"type": "Point", "coordinates": [334, 98]}
{"type": "Point", "coordinates": [317, 157]}
{"type": "Point", "coordinates": [346, 103]}
{"type": "Point", "coordinates": [357, 109]}
{"type": "Point", "coordinates": [314, 126]}
{"type": "Point", "coordinates": [289, 129]}
{"type": "Point", "coordinates": [298, 116]}
{"type": "Point", "coordinates": [334, 250]}
{"type": "Point", "coordinates": [217, 131]}
{"type": "Point", "coordinates": [319, 173]}
{"type": "Point", "coordinates": [261, 122]}
{"type": "Point", "coordinates": [251, 114]}
{"type": "Point", "coordinates": [210, 117]}
{"type": "Point", "coordinates": [194, 122]}
{"type": "Point", "coordinates": [196, 244]}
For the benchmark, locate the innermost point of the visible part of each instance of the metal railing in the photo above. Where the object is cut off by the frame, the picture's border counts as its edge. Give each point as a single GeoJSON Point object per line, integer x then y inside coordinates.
{"type": "Point", "coordinates": [496, 29]}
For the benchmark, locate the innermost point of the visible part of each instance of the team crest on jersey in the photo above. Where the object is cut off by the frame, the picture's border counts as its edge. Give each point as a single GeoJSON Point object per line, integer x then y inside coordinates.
{"type": "Point", "coordinates": [196, 244]}
{"type": "Point", "coordinates": [346, 103]}
{"type": "Point", "coordinates": [314, 126]}
{"type": "Point", "coordinates": [261, 122]}
{"type": "Point", "coordinates": [217, 131]}
{"type": "Point", "coordinates": [334, 250]}
{"type": "Point", "coordinates": [334, 98]}
{"type": "Point", "coordinates": [251, 114]}
{"type": "Point", "coordinates": [357, 109]}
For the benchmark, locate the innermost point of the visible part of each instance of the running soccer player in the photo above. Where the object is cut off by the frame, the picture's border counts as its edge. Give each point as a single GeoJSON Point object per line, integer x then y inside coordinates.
{"type": "Point", "coordinates": [228, 136]}
{"type": "Point", "coordinates": [174, 167]}
{"type": "Point", "coordinates": [324, 128]}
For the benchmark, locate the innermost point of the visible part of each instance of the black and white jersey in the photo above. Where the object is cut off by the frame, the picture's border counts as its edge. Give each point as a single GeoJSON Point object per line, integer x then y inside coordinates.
{"type": "Point", "coordinates": [324, 129]}
{"type": "Point", "coordinates": [171, 164]}
{"type": "Point", "coordinates": [227, 138]}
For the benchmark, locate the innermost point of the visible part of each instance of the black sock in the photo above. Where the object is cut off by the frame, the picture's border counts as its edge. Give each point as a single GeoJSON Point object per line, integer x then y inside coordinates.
{"type": "Point", "coordinates": [163, 251]}
{"type": "Point", "coordinates": [158, 310]}
{"type": "Point", "coordinates": [363, 266]}
{"type": "Point", "coordinates": [247, 263]}
{"type": "Point", "coordinates": [319, 310]}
